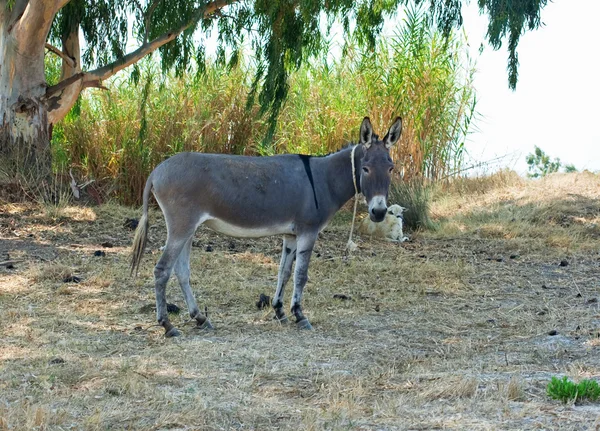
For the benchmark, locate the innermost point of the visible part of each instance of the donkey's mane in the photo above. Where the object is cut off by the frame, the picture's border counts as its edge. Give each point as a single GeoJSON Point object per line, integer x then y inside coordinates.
{"type": "Point", "coordinates": [346, 146]}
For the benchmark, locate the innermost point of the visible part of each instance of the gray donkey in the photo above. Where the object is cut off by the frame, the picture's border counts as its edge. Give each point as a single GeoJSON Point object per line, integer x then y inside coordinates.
{"type": "Point", "coordinates": [291, 195]}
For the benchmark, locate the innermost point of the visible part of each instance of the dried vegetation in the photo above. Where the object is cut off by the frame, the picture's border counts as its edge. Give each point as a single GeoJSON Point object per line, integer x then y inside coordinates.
{"type": "Point", "coordinates": [449, 331]}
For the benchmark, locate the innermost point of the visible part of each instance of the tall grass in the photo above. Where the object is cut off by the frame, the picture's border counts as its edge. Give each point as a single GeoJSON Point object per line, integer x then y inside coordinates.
{"type": "Point", "coordinates": [116, 137]}
{"type": "Point", "coordinates": [414, 195]}
{"type": "Point", "coordinates": [429, 81]}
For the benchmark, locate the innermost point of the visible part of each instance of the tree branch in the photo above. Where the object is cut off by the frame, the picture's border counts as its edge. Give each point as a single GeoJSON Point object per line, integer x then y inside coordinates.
{"type": "Point", "coordinates": [61, 97]}
{"type": "Point", "coordinates": [86, 78]}
{"type": "Point", "coordinates": [50, 91]}
{"type": "Point", "coordinates": [148, 47]}
{"type": "Point", "coordinates": [148, 18]}
{"type": "Point", "coordinates": [61, 54]}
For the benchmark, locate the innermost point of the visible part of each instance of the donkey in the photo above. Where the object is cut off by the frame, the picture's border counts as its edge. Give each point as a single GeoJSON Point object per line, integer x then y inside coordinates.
{"type": "Point", "coordinates": [291, 195]}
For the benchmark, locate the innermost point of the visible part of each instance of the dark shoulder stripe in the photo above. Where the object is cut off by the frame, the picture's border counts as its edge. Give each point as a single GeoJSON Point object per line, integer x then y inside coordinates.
{"type": "Point", "coordinates": [306, 162]}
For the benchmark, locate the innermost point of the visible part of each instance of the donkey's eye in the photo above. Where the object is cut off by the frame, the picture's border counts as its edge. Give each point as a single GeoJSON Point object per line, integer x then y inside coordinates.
{"type": "Point", "coordinates": [365, 170]}
{"type": "Point", "coordinates": [391, 169]}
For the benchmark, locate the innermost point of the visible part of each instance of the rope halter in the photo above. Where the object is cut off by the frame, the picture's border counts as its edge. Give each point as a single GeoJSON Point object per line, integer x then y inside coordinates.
{"type": "Point", "coordinates": [351, 245]}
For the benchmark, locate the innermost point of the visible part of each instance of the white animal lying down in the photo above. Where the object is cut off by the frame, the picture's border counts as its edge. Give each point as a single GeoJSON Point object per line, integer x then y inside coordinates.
{"type": "Point", "coordinates": [389, 229]}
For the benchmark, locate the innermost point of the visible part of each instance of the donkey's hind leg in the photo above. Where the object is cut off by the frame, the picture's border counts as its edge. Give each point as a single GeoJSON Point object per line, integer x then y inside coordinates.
{"type": "Point", "coordinates": [182, 271]}
{"type": "Point", "coordinates": [288, 255]}
{"type": "Point", "coordinates": [162, 272]}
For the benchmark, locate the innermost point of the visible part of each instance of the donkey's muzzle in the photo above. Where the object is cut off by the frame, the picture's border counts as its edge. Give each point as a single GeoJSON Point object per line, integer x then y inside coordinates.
{"type": "Point", "coordinates": [377, 214]}
{"type": "Point", "coordinates": [377, 208]}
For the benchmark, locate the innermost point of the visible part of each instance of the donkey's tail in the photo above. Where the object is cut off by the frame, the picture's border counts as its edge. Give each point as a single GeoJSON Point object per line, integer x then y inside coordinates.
{"type": "Point", "coordinates": [141, 233]}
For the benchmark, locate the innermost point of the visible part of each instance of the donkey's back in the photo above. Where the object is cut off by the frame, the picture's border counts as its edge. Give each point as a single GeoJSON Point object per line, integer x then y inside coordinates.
{"type": "Point", "coordinates": [241, 191]}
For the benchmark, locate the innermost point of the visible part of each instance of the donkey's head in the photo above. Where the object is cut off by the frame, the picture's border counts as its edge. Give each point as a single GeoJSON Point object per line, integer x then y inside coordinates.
{"type": "Point", "coordinates": [377, 166]}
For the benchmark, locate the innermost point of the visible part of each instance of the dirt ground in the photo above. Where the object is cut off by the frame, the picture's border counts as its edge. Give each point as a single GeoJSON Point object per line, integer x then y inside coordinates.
{"type": "Point", "coordinates": [460, 328]}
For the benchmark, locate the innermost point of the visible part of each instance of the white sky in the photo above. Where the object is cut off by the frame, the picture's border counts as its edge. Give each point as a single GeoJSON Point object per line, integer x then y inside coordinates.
{"type": "Point", "coordinates": [555, 105]}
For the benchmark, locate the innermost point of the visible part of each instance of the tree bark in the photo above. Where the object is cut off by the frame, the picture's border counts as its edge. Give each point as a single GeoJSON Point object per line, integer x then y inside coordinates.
{"type": "Point", "coordinates": [61, 102]}
{"type": "Point", "coordinates": [24, 136]}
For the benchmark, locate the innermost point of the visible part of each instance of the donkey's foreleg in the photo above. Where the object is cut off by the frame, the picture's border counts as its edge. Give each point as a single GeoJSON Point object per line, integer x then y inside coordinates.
{"type": "Point", "coordinates": [288, 255]}
{"type": "Point", "coordinates": [306, 243]}
{"type": "Point", "coordinates": [182, 271]}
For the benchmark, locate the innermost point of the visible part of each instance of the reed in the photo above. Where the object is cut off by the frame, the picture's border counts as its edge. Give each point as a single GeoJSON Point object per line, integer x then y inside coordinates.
{"type": "Point", "coordinates": [118, 136]}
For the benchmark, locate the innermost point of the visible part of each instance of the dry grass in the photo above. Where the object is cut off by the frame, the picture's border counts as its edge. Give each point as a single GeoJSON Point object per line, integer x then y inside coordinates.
{"type": "Point", "coordinates": [559, 211]}
{"type": "Point", "coordinates": [450, 330]}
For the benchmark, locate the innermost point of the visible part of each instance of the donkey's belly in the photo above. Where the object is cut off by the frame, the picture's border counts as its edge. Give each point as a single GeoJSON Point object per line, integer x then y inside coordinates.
{"type": "Point", "coordinates": [226, 228]}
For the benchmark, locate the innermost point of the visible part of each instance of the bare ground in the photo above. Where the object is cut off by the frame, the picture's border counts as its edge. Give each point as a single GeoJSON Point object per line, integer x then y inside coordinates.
{"type": "Point", "coordinates": [458, 329]}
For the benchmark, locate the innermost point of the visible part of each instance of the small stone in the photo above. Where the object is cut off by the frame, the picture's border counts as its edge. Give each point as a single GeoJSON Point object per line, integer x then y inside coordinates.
{"type": "Point", "coordinates": [263, 301]}
{"type": "Point", "coordinates": [131, 223]}
{"type": "Point", "coordinates": [553, 332]}
{"type": "Point", "coordinates": [71, 279]}
{"type": "Point", "coordinates": [499, 259]}
{"type": "Point", "coordinates": [172, 308]}
{"type": "Point", "coordinates": [514, 256]}
{"type": "Point", "coordinates": [99, 253]}
{"type": "Point", "coordinates": [377, 308]}
{"type": "Point", "coordinates": [342, 296]}
{"type": "Point", "coordinates": [55, 361]}
{"type": "Point", "coordinates": [209, 248]}
{"type": "Point", "coordinates": [563, 263]}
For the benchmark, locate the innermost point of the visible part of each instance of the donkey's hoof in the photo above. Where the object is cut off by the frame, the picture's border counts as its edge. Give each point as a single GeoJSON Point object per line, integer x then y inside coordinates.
{"type": "Point", "coordinates": [173, 332]}
{"type": "Point", "coordinates": [304, 324]}
{"type": "Point", "coordinates": [205, 325]}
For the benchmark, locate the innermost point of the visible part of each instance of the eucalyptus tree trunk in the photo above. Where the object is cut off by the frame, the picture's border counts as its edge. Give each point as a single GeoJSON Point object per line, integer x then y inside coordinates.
{"type": "Point", "coordinates": [24, 131]}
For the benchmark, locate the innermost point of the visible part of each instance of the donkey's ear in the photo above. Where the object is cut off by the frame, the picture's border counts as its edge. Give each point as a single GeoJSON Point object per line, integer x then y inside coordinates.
{"type": "Point", "coordinates": [366, 132]}
{"type": "Point", "coordinates": [393, 134]}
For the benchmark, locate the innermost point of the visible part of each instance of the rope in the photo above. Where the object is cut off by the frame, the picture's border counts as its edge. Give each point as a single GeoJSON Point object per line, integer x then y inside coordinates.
{"type": "Point", "coordinates": [351, 245]}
